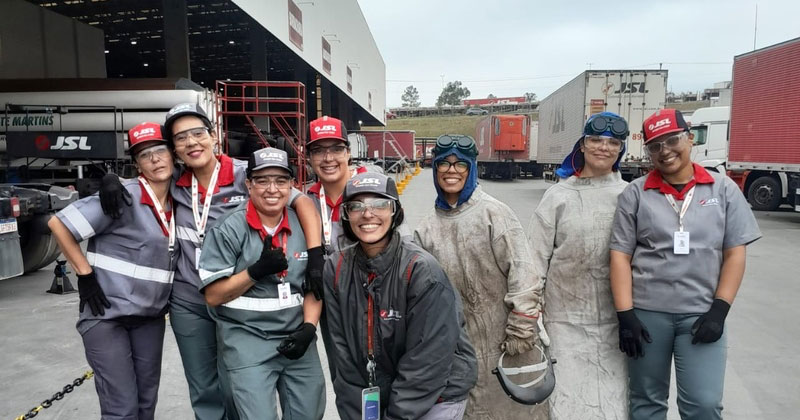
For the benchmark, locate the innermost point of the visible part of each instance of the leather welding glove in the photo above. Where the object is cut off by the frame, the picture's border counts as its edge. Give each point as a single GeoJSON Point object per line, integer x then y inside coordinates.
{"type": "Point", "coordinates": [271, 261]}
{"type": "Point", "coordinates": [313, 283]}
{"type": "Point", "coordinates": [90, 292]}
{"type": "Point", "coordinates": [112, 195]}
{"type": "Point", "coordinates": [515, 345]}
{"type": "Point", "coordinates": [631, 334]}
{"type": "Point", "coordinates": [295, 345]}
{"type": "Point", "coordinates": [709, 326]}
{"type": "Point", "coordinates": [519, 341]}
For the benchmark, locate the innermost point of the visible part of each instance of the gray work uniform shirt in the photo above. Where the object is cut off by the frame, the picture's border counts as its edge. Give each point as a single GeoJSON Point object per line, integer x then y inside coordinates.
{"type": "Point", "coordinates": [718, 218]}
{"type": "Point", "coordinates": [251, 326]}
{"type": "Point", "coordinates": [230, 192]}
{"type": "Point", "coordinates": [129, 256]}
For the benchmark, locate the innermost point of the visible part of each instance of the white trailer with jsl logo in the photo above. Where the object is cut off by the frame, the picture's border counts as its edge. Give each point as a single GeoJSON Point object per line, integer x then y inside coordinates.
{"type": "Point", "coordinates": [632, 94]}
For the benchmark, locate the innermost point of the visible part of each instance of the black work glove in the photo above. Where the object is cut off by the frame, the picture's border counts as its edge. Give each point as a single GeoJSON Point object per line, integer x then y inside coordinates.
{"type": "Point", "coordinates": [112, 195]}
{"type": "Point", "coordinates": [316, 260]}
{"type": "Point", "coordinates": [90, 292]}
{"type": "Point", "coordinates": [271, 261]}
{"type": "Point", "coordinates": [295, 345]}
{"type": "Point", "coordinates": [631, 333]}
{"type": "Point", "coordinates": [708, 328]}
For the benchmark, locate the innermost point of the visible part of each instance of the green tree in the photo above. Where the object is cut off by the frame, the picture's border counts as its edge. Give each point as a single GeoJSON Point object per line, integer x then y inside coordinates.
{"type": "Point", "coordinates": [530, 97]}
{"type": "Point", "coordinates": [410, 97]}
{"type": "Point", "coordinates": [452, 94]}
{"type": "Point", "coordinates": [491, 96]}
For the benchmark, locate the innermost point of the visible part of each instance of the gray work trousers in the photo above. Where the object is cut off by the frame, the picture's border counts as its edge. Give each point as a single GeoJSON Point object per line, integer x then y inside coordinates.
{"type": "Point", "coordinates": [699, 370]}
{"type": "Point", "coordinates": [209, 387]}
{"type": "Point", "coordinates": [448, 410]}
{"type": "Point", "coordinates": [126, 359]}
{"type": "Point", "coordinates": [299, 383]}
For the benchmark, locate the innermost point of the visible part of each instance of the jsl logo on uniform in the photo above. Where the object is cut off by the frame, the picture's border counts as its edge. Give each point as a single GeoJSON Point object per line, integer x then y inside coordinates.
{"type": "Point", "coordinates": [709, 202]}
{"type": "Point", "coordinates": [390, 315]}
{"type": "Point", "coordinates": [301, 255]}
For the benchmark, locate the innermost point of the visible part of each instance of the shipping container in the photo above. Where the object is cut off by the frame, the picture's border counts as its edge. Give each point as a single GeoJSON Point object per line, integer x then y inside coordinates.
{"type": "Point", "coordinates": [764, 142]}
{"type": "Point", "coordinates": [503, 143]}
{"type": "Point", "coordinates": [390, 145]}
{"type": "Point", "coordinates": [633, 94]}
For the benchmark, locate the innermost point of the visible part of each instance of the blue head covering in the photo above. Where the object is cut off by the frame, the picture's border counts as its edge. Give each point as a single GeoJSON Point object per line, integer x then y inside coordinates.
{"type": "Point", "coordinates": [469, 185]}
{"type": "Point", "coordinates": [574, 161]}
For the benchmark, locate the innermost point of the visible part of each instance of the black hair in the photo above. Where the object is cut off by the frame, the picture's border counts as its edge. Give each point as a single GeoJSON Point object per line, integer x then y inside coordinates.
{"type": "Point", "coordinates": [397, 220]}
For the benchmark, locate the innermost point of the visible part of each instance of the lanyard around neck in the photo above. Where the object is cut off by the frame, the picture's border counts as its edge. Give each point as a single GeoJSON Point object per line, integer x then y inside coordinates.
{"type": "Point", "coordinates": [327, 221]}
{"type": "Point", "coordinates": [684, 207]}
{"type": "Point", "coordinates": [200, 221]}
{"type": "Point", "coordinates": [162, 216]}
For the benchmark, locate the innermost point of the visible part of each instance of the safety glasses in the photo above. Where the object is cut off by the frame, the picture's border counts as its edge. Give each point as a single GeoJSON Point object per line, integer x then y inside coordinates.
{"type": "Point", "coordinates": [601, 124]}
{"type": "Point", "coordinates": [460, 166]}
{"type": "Point", "coordinates": [197, 134]}
{"type": "Point", "coordinates": [671, 142]}
{"type": "Point", "coordinates": [264, 181]}
{"type": "Point", "coordinates": [464, 143]}
{"type": "Point", "coordinates": [377, 206]}
{"type": "Point", "coordinates": [596, 142]}
{"type": "Point", "coordinates": [161, 151]}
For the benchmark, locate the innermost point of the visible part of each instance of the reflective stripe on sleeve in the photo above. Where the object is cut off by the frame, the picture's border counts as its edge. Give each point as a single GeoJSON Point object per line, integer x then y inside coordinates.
{"type": "Point", "coordinates": [205, 274]}
{"type": "Point", "coordinates": [187, 234]}
{"type": "Point", "coordinates": [264, 304]}
{"type": "Point", "coordinates": [139, 272]}
{"type": "Point", "coordinates": [79, 222]}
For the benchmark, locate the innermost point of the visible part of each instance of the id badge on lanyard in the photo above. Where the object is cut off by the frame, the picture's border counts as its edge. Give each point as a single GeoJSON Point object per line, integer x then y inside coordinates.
{"type": "Point", "coordinates": [201, 219]}
{"type": "Point", "coordinates": [371, 403]}
{"type": "Point", "coordinates": [680, 239]}
{"type": "Point", "coordinates": [284, 288]}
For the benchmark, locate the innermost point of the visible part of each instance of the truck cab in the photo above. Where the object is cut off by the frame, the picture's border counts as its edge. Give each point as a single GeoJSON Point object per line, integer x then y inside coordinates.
{"type": "Point", "coordinates": [710, 129]}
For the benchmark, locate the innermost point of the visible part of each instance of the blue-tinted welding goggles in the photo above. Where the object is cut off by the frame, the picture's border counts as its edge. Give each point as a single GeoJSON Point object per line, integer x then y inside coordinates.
{"type": "Point", "coordinates": [606, 125]}
{"type": "Point", "coordinates": [465, 144]}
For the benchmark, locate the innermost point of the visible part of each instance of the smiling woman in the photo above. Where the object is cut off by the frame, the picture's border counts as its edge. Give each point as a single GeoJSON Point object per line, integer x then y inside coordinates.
{"type": "Point", "coordinates": [392, 294]}
{"type": "Point", "coordinates": [126, 292]}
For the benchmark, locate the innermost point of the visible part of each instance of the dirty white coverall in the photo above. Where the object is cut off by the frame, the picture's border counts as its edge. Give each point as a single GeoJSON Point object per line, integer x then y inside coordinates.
{"type": "Point", "coordinates": [483, 249]}
{"type": "Point", "coordinates": [570, 233]}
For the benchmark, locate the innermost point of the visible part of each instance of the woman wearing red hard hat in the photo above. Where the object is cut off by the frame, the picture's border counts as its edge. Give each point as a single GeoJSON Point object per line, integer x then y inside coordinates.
{"type": "Point", "coordinates": [125, 279]}
{"type": "Point", "coordinates": [677, 260]}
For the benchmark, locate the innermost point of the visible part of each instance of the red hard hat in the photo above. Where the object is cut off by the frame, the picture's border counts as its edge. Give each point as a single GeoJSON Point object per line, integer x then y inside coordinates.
{"type": "Point", "coordinates": [327, 128]}
{"type": "Point", "coordinates": [144, 135]}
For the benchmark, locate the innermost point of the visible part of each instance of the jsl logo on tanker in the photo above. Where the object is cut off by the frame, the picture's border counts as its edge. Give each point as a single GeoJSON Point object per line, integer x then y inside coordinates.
{"type": "Point", "coordinates": [64, 143]}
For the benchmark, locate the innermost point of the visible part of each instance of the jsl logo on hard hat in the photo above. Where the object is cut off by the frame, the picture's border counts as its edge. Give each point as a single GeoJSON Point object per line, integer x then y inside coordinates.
{"type": "Point", "coordinates": [326, 128]}
{"type": "Point", "coordinates": [144, 132]}
{"type": "Point", "coordinates": [658, 124]}
{"type": "Point", "coordinates": [366, 182]}
{"type": "Point", "coordinates": [271, 156]}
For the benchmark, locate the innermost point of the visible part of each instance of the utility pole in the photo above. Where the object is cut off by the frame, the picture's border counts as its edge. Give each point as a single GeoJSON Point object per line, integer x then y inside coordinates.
{"type": "Point", "coordinates": [755, 28]}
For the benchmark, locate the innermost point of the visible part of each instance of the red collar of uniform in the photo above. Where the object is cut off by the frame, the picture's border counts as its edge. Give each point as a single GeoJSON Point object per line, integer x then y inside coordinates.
{"type": "Point", "coordinates": [334, 206]}
{"type": "Point", "coordinates": [225, 176]}
{"type": "Point", "coordinates": [254, 221]}
{"type": "Point", "coordinates": [655, 181]}
{"type": "Point", "coordinates": [149, 201]}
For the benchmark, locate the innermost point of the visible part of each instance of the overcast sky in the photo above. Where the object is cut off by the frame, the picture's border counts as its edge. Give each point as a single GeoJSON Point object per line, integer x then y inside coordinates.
{"type": "Point", "coordinates": [509, 47]}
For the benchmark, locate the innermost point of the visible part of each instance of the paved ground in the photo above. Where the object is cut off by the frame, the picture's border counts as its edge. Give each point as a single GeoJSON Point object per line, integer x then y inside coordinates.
{"type": "Point", "coordinates": [41, 351]}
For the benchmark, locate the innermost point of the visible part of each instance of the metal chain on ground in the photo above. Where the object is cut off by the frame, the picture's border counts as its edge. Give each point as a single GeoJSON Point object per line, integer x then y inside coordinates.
{"type": "Point", "coordinates": [56, 397]}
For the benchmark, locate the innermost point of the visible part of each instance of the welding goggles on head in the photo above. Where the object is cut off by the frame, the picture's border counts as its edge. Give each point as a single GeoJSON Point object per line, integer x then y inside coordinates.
{"type": "Point", "coordinates": [448, 141]}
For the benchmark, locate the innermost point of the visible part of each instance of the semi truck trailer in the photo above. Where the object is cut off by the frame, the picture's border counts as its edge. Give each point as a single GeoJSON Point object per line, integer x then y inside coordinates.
{"type": "Point", "coordinates": [632, 94]}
